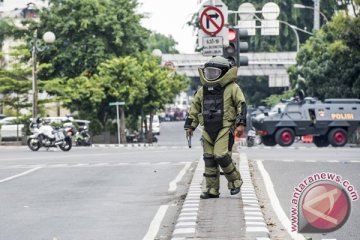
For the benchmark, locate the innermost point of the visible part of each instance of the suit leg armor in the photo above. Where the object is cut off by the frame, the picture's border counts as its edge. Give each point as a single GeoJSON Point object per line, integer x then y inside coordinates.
{"type": "Point", "coordinates": [212, 173]}
{"type": "Point", "coordinates": [222, 153]}
{"type": "Point", "coordinates": [230, 171]}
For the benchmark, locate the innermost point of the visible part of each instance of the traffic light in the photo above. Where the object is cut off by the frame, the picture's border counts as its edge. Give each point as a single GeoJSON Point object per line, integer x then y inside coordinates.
{"type": "Point", "coordinates": [237, 45]}
{"type": "Point", "coordinates": [231, 52]}
{"type": "Point", "coordinates": [243, 47]}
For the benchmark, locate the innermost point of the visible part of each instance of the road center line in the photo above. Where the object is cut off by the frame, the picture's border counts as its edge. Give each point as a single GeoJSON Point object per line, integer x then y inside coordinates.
{"type": "Point", "coordinates": [285, 221]}
{"type": "Point", "coordinates": [156, 222]}
{"type": "Point", "coordinates": [20, 175]}
{"type": "Point", "coordinates": [173, 183]}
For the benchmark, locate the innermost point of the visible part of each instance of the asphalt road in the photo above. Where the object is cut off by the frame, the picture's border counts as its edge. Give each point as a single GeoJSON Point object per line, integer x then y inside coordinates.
{"type": "Point", "coordinates": [173, 134]}
{"type": "Point", "coordinates": [288, 167]}
{"type": "Point", "coordinates": [95, 193]}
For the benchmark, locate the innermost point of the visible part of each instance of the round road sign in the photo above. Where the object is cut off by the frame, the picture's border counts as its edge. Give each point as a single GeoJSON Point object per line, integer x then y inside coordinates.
{"type": "Point", "coordinates": [211, 20]}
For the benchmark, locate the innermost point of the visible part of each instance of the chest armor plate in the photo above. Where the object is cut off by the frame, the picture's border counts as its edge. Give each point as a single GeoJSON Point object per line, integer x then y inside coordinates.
{"type": "Point", "coordinates": [213, 109]}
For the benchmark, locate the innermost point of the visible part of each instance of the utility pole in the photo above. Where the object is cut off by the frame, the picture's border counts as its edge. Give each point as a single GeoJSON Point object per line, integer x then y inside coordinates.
{"type": "Point", "coordinates": [120, 121]}
{"type": "Point", "coordinates": [34, 80]}
{"type": "Point", "coordinates": [316, 14]}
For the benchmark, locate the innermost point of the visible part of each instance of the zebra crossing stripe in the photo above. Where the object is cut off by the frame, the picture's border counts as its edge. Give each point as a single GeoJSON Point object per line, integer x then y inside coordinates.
{"type": "Point", "coordinates": [254, 219]}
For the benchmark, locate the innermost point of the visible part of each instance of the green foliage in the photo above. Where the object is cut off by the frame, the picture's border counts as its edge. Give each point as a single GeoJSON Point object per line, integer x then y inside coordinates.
{"type": "Point", "coordinates": [330, 61]}
{"type": "Point", "coordinates": [302, 18]}
{"type": "Point", "coordinates": [88, 33]}
{"type": "Point", "coordinates": [14, 85]}
{"type": "Point", "coordinates": [6, 28]}
{"type": "Point", "coordinates": [256, 89]}
{"type": "Point", "coordinates": [140, 82]}
{"type": "Point", "coordinates": [162, 42]}
{"type": "Point", "coordinates": [162, 84]}
{"type": "Point", "coordinates": [276, 98]}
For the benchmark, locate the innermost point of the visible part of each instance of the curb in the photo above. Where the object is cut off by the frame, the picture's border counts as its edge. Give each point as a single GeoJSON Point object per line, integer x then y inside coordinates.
{"type": "Point", "coordinates": [123, 145]}
{"type": "Point", "coordinates": [254, 219]}
{"type": "Point", "coordinates": [186, 223]}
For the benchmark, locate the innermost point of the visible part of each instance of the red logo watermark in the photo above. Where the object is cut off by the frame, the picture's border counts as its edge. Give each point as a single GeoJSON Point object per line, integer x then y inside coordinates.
{"type": "Point", "coordinates": [325, 207]}
{"type": "Point", "coordinates": [321, 203]}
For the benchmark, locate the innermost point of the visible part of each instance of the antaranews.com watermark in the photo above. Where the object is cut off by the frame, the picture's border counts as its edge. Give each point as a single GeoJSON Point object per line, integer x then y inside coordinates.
{"type": "Point", "coordinates": [321, 203]}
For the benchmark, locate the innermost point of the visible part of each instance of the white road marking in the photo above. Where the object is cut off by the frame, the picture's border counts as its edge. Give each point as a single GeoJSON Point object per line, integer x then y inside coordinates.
{"type": "Point", "coordinates": [173, 183]}
{"type": "Point", "coordinates": [20, 175]}
{"type": "Point", "coordinates": [156, 222]}
{"type": "Point", "coordinates": [276, 203]}
{"type": "Point", "coordinates": [90, 155]}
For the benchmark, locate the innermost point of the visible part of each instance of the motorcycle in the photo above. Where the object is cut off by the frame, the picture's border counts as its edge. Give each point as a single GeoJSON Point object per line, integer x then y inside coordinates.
{"type": "Point", "coordinates": [251, 135]}
{"type": "Point", "coordinates": [45, 136]}
{"type": "Point", "coordinates": [82, 137]}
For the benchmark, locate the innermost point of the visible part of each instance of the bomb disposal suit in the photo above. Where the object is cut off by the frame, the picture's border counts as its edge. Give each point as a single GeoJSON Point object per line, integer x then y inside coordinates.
{"type": "Point", "coordinates": [219, 106]}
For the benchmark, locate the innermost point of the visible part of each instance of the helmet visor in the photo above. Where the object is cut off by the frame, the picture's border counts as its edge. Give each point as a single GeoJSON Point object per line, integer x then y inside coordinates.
{"type": "Point", "coordinates": [212, 73]}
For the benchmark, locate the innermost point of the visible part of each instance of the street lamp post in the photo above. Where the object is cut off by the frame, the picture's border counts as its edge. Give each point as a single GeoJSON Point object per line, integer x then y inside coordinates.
{"type": "Point", "coordinates": [295, 29]}
{"type": "Point", "coordinates": [316, 13]}
{"type": "Point", "coordinates": [37, 46]}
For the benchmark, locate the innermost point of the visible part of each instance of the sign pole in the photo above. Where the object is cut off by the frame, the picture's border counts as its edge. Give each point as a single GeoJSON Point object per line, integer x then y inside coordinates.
{"type": "Point", "coordinates": [118, 123]}
{"type": "Point", "coordinates": [117, 104]}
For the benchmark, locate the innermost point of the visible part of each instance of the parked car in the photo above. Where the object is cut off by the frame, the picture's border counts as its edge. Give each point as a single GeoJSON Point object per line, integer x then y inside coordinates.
{"type": "Point", "coordinates": [2, 116]}
{"type": "Point", "coordinates": [9, 129]}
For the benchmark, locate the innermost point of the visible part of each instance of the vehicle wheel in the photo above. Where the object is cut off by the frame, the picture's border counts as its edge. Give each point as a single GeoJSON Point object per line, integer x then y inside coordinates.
{"type": "Point", "coordinates": [268, 140]}
{"type": "Point", "coordinates": [33, 144]}
{"type": "Point", "coordinates": [250, 142]}
{"type": "Point", "coordinates": [66, 146]}
{"type": "Point", "coordinates": [321, 141]}
{"type": "Point", "coordinates": [285, 137]}
{"type": "Point", "coordinates": [337, 137]}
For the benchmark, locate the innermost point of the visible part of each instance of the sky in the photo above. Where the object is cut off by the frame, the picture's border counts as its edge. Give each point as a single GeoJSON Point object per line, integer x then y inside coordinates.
{"type": "Point", "coordinates": [169, 17]}
{"type": "Point", "coordinates": [11, 4]}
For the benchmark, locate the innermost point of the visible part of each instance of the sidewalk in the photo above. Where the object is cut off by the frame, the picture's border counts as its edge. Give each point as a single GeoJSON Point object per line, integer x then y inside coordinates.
{"type": "Point", "coordinates": [227, 217]}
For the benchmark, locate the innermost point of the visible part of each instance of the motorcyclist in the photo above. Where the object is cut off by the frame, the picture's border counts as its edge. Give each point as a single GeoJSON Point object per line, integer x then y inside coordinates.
{"type": "Point", "coordinates": [219, 106]}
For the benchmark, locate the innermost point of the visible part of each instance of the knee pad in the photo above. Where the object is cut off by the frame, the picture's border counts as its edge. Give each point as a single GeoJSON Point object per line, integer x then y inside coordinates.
{"type": "Point", "coordinates": [209, 160]}
{"type": "Point", "coordinates": [224, 161]}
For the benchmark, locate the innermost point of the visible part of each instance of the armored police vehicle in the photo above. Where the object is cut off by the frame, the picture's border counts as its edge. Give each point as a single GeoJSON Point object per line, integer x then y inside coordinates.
{"type": "Point", "coordinates": [330, 122]}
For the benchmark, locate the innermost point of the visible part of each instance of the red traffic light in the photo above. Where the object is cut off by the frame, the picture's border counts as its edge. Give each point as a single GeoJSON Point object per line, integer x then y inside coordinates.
{"type": "Point", "coordinates": [232, 34]}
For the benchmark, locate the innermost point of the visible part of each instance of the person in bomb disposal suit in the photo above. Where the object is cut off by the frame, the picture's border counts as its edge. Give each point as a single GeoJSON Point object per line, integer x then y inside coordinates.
{"type": "Point", "coordinates": [219, 105]}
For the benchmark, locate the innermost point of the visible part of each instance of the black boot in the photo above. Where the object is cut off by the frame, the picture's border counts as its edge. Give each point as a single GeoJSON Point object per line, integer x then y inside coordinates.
{"type": "Point", "coordinates": [206, 195]}
{"type": "Point", "coordinates": [234, 191]}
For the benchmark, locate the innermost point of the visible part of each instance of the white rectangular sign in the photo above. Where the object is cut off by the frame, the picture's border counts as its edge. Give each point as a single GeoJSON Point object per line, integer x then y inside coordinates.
{"type": "Point", "coordinates": [212, 46]}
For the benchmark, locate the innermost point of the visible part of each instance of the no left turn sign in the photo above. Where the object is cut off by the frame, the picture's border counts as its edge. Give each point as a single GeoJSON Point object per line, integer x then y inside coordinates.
{"type": "Point", "coordinates": [212, 20]}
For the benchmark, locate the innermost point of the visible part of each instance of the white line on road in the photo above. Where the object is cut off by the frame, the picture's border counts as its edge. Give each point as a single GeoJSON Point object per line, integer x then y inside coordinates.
{"type": "Point", "coordinates": [276, 203]}
{"type": "Point", "coordinates": [83, 156]}
{"type": "Point", "coordinates": [156, 222]}
{"type": "Point", "coordinates": [20, 175]}
{"type": "Point", "coordinates": [173, 183]}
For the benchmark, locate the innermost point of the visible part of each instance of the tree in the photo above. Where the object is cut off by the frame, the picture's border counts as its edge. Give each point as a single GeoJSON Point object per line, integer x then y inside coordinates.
{"type": "Point", "coordinates": [162, 86]}
{"type": "Point", "coordinates": [6, 30]}
{"type": "Point", "coordinates": [15, 83]}
{"type": "Point", "coordinates": [88, 33]}
{"type": "Point", "coordinates": [330, 61]}
{"type": "Point", "coordinates": [162, 42]}
{"type": "Point", "coordinates": [140, 82]}
{"type": "Point", "coordinates": [286, 41]}
{"type": "Point", "coordinates": [256, 89]}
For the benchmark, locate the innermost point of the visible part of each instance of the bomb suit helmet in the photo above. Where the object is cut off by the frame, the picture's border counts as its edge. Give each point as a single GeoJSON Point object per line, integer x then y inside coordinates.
{"type": "Point", "coordinates": [215, 68]}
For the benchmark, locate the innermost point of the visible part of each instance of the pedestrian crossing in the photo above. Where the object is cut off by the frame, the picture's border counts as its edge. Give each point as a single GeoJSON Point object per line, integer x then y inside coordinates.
{"type": "Point", "coordinates": [243, 145]}
{"type": "Point", "coordinates": [309, 161]}
{"type": "Point", "coordinates": [150, 146]}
